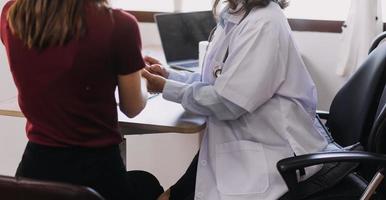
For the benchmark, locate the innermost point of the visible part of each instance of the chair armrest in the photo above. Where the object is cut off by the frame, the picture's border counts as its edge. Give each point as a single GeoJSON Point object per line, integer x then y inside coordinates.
{"type": "Point", "coordinates": [288, 166]}
{"type": "Point", "coordinates": [323, 114]}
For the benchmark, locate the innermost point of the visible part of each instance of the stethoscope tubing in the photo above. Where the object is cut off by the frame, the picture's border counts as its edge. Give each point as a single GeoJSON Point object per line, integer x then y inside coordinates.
{"type": "Point", "coordinates": [218, 69]}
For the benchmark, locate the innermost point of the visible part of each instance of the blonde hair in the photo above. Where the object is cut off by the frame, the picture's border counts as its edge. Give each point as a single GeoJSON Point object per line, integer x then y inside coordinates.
{"type": "Point", "coordinates": [48, 23]}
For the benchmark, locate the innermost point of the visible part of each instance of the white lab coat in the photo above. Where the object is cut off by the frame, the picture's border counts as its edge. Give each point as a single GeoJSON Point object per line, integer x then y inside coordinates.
{"type": "Point", "coordinates": [260, 110]}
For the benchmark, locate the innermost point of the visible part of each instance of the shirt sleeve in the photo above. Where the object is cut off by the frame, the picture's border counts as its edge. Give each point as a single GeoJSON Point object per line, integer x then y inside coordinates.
{"type": "Point", "coordinates": [201, 98]}
{"type": "Point", "coordinates": [184, 77]}
{"type": "Point", "coordinates": [255, 68]}
{"type": "Point", "coordinates": [3, 19]}
{"type": "Point", "coordinates": [127, 46]}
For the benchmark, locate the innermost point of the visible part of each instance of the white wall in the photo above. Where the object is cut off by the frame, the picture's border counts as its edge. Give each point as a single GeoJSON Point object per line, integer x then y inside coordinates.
{"type": "Point", "coordinates": [167, 156]}
{"type": "Point", "coordinates": [320, 54]}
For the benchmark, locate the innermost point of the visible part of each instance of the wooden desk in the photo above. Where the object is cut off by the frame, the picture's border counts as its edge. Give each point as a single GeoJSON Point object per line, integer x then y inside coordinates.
{"type": "Point", "coordinates": [9, 107]}
{"type": "Point", "coordinates": [159, 116]}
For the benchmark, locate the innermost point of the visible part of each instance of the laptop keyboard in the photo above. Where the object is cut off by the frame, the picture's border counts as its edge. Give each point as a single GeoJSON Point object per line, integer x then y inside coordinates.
{"type": "Point", "coordinates": [189, 65]}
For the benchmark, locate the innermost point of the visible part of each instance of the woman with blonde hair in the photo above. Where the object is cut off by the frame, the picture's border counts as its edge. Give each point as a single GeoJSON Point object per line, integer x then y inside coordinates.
{"type": "Point", "coordinates": [66, 58]}
{"type": "Point", "coordinates": [259, 100]}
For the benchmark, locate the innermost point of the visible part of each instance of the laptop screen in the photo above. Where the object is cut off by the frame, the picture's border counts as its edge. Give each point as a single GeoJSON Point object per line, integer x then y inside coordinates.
{"type": "Point", "coordinates": [181, 32]}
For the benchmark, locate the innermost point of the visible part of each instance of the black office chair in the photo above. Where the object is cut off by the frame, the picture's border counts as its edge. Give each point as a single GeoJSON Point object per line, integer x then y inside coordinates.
{"type": "Point", "coordinates": [377, 139]}
{"type": "Point", "coordinates": [26, 189]}
{"type": "Point", "coordinates": [377, 142]}
{"type": "Point", "coordinates": [351, 185]}
{"type": "Point", "coordinates": [354, 107]}
{"type": "Point", "coordinates": [352, 115]}
{"type": "Point", "coordinates": [377, 41]}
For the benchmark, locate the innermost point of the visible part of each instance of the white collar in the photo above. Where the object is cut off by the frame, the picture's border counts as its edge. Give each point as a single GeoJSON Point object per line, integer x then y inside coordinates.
{"type": "Point", "coordinates": [227, 15]}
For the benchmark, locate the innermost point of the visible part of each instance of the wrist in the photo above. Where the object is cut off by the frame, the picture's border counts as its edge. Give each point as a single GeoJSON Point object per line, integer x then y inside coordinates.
{"type": "Point", "coordinates": [166, 73]}
{"type": "Point", "coordinates": [173, 91]}
{"type": "Point", "coordinates": [163, 83]}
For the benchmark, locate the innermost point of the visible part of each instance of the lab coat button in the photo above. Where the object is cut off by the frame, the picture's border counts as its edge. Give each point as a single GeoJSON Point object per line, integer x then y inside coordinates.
{"type": "Point", "coordinates": [203, 162]}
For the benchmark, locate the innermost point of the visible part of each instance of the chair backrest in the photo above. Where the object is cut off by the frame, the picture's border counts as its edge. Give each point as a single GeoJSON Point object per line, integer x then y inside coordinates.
{"type": "Point", "coordinates": [382, 102]}
{"type": "Point", "coordinates": [21, 189]}
{"type": "Point", "coordinates": [377, 41]}
{"type": "Point", "coordinates": [377, 136]}
{"type": "Point", "coordinates": [377, 144]}
{"type": "Point", "coordinates": [353, 110]}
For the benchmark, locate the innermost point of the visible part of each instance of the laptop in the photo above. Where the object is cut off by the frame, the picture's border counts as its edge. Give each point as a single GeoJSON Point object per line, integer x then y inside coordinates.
{"type": "Point", "coordinates": [180, 34]}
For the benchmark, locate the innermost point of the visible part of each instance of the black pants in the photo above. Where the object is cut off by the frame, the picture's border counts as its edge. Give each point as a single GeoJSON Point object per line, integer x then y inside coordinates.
{"type": "Point", "coordinates": [185, 186]}
{"type": "Point", "coordinates": [99, 168]}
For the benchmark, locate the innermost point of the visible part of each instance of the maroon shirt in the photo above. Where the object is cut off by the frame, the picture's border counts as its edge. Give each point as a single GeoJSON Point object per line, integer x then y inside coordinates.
{"type": "Point", "coordinates": [67, 93]}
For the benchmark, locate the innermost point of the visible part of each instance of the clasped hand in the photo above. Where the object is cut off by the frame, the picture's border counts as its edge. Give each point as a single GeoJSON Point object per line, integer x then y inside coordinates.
{"type": "Point", "coordinates": [155, 74]}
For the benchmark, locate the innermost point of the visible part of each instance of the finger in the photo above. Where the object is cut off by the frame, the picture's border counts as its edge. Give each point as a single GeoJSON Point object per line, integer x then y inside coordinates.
{"type": "Point", "coordinates": [146, 74]}
{"type": "Point", "coordinates": [151, 60]}
{"type": "Point", "coordinates": [152, 71]}
{"type": "Point", "coordinates": [155, 69]}
{"type": "Point", "coordinates": [156, 66]}
{"type": "Point", "coordinates": [147, 67]}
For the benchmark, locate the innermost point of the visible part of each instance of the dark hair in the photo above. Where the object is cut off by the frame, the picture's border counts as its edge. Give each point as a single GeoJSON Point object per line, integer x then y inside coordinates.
{"type": "Point", "coordinates": [250, 4]}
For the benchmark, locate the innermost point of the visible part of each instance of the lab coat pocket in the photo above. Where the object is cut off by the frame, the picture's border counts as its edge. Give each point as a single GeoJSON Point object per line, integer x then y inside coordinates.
{"type": "Point", "coordinates": [241, 168]}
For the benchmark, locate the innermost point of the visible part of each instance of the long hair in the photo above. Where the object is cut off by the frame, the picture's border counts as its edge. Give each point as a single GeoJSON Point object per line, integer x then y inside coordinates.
{"type": "Point", "coordinates": [248, 5]}
{"type": "Point", "coordinates": [48, 23]}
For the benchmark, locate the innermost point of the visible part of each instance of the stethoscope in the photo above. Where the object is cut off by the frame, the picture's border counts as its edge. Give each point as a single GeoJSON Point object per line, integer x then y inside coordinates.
{"type": "Point", "coordinates": [217, 70]}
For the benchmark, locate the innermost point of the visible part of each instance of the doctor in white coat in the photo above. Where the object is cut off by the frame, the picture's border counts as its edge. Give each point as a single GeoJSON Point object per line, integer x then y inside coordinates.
{"type": "Point", "coordinates": [259, 100]}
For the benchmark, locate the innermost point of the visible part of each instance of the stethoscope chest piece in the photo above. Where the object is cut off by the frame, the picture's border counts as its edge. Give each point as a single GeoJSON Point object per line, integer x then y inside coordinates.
{"type": "Point", "coordinates": [217, 71]}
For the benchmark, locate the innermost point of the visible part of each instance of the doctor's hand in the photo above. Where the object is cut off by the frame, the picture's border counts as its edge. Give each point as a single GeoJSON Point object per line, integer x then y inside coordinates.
{"type": "Point", "coordinates": [165, 195]}
{"type": "Point", "coordinates": [155, 83]}
{"type": "Point", "coordinates": [158, 69]}
{"type": "Point", "coordinates": [154, 66]}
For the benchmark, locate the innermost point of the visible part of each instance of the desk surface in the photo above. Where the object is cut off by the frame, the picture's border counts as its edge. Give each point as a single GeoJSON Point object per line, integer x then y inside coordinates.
{"type": "Point", "coordinates": [10, 107]}
{"type": "Point", "coordinates": [159, 116]}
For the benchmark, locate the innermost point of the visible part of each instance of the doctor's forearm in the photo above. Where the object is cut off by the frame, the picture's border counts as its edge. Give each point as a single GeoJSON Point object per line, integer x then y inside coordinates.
{"type": "Point", "coordinates": [184, 77]}
{"type": "Point", "coordinates": [202, 99]}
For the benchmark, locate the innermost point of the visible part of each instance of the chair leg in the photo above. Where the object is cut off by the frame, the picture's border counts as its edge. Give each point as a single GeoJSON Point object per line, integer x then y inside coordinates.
{"type": "Point", "coordinates": [373, 185]}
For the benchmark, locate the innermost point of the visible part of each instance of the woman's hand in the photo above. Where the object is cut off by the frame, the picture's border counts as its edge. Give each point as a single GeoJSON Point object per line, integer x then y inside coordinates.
{"type": "Point", "coordinates": [157, 69]}
{"type": "Point", "coordinates": [151, 61]}
{"type": "Point", "coordinates": [154, 66]}
{"type": "Point", "coordinates": [165, 195]}
{"type": "Point", "coordinates": [155, 83]}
